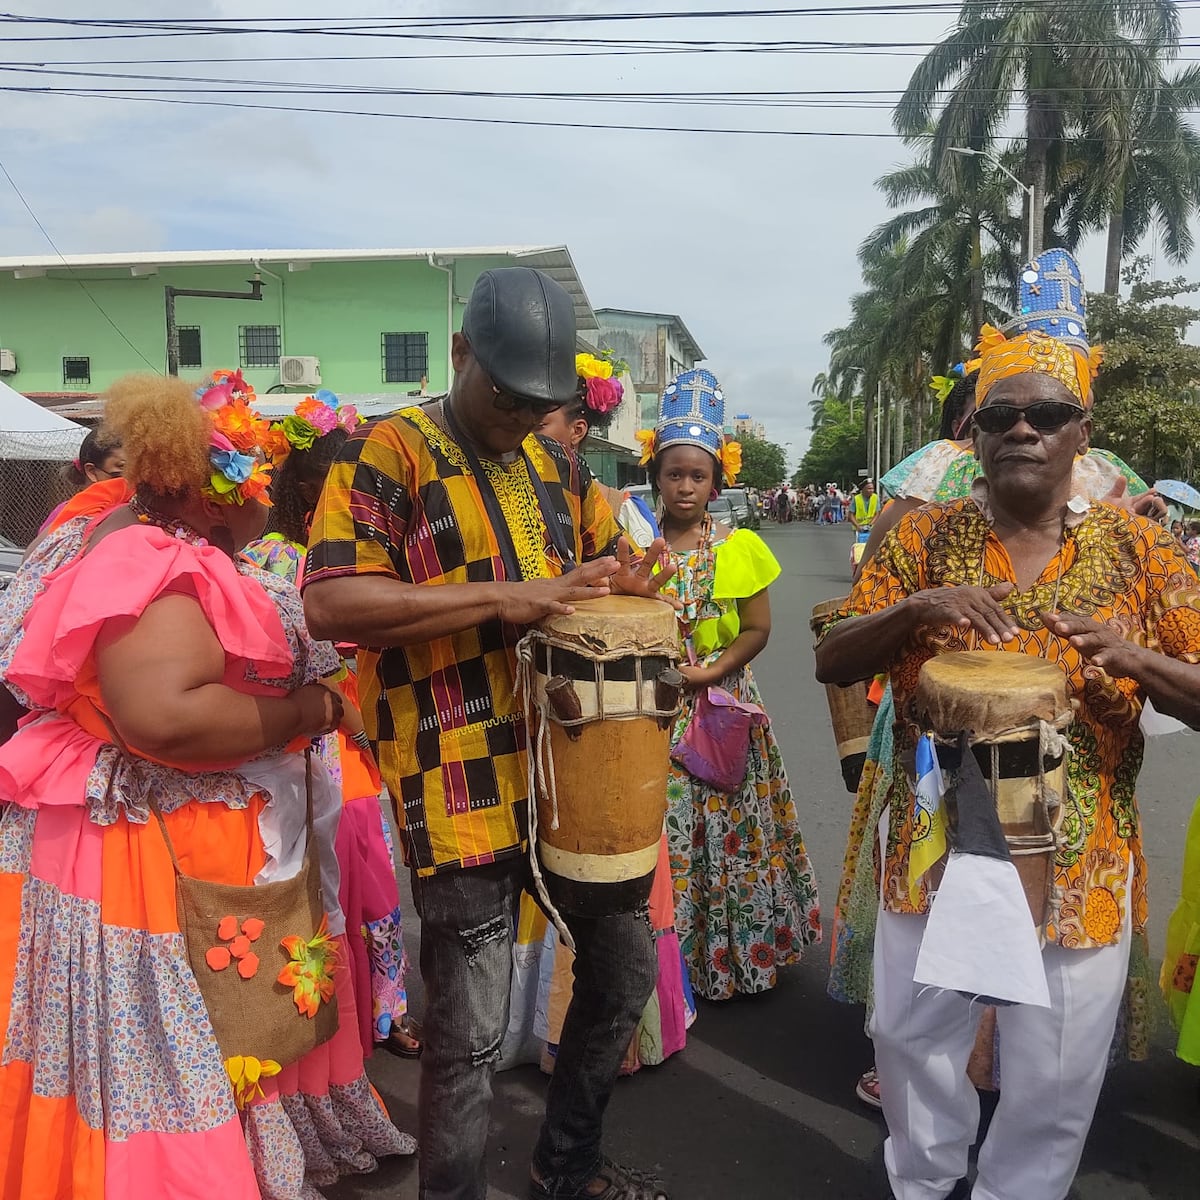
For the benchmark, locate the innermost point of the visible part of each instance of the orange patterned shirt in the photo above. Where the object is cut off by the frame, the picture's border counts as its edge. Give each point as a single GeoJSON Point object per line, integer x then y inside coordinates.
{"type": "Point", "coordinates": [1116, 568]}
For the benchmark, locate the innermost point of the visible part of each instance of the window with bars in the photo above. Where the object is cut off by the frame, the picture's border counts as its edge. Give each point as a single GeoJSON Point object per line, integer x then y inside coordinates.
{"type": "Point", "coordinates": [405, 357]}
{"type": "Point", "coordinates": [259, 345]}
{"type": "Point", "coordinates": [77, 370]}
{"type": "Point", "coordinates": [189, 346]}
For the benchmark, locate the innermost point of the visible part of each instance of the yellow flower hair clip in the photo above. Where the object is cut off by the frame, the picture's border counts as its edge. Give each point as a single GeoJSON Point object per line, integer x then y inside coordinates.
{"type": "Point", "coordinates": [731, 462]}
{"type": "Point", "coordinates": [648, 438]}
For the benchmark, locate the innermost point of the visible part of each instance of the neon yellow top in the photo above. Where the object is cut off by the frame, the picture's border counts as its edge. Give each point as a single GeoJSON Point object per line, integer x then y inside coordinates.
{"type": "Point", "coordinates": [742, 566]}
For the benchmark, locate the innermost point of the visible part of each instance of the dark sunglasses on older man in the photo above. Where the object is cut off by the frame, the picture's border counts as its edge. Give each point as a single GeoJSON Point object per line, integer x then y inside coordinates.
{"type": "Point", "coordinates": [1044, 416]}
{"type": "Point", "coordinates": [507, 402]}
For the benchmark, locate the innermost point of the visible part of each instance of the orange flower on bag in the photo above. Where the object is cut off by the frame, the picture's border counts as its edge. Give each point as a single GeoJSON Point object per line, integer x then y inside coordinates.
{"type": "Point", "coordinates": [310, 972]}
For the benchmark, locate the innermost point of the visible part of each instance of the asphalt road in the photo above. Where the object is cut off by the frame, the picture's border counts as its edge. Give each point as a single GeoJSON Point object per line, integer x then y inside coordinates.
{"type": "Point", "coordinates": [761, 1103]}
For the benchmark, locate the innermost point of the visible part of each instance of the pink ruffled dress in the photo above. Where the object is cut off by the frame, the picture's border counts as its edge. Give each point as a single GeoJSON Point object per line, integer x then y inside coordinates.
{"type": "Point", "coordinates": [111, 1081]}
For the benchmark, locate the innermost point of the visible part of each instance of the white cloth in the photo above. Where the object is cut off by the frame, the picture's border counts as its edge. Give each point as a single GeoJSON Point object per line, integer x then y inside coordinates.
{"type": "Point", "coordinates": [1052, 1065]}
{"type": "Point", "coordinates": [283, 827]}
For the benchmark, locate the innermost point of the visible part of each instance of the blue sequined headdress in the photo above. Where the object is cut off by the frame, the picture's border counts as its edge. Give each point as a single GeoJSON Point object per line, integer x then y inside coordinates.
{"type": "Point", "coordinates": [692, 412]}
{"type": "Point", "coordinates": [1051, 300]}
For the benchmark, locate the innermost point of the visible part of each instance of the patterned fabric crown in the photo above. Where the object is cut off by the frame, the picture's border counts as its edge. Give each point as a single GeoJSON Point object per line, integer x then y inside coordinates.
{"type": "Point", "coordinates": [692, 411]}
{"type": "Point", "coordinates": [1051, 300]}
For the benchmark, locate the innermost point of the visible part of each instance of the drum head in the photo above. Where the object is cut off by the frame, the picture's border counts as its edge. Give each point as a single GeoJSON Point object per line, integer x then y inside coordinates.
{"type": "Point", "coordinates": [988, 692]}
{"type": "Point", "coordinates": [615, 626]}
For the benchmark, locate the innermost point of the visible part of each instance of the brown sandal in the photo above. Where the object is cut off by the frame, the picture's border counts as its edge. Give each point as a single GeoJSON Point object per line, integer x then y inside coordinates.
{"type": "Point", "coordinates": [624, 1183]}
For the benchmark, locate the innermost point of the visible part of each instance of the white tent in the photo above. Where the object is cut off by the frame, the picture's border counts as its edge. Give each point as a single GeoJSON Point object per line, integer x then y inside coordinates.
{"type": "Point", "coordinates": [29, 431]}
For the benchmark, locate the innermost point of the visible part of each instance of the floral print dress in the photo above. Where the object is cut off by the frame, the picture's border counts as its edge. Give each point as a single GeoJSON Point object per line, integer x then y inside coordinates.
{"type": "Point", "coordinates": [745, 893]}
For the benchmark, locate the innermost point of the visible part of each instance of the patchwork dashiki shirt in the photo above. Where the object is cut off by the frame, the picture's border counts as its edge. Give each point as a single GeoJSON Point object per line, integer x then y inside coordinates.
{"type": "Point", "coordinates": [402, 501]}
{"type": "Point", "coordinates": [1116, 568]}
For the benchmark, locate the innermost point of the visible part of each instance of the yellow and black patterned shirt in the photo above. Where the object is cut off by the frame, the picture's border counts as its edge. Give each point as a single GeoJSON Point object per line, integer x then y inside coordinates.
{"type": "Point", "coordinates": [402, 501]}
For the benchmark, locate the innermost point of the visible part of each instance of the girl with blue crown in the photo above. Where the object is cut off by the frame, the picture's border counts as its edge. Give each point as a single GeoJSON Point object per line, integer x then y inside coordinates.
{"type": "Point", "coordinates": [745, 893]}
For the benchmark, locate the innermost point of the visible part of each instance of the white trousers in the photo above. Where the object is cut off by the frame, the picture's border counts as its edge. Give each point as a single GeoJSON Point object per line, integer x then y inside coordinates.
{"type": "Point", "coordinates": [1052, 1065]}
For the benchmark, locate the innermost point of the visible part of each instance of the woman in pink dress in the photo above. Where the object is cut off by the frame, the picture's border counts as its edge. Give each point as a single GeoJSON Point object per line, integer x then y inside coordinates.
{"type": "Point", "coordinates": [147, 634]}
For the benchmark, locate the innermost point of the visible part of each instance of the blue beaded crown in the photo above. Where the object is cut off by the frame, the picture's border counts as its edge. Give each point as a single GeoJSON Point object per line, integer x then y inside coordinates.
{"type": "Point", "coordinates": [1051, 300]}
{"type": "Point", "coordinates": [692, 412]}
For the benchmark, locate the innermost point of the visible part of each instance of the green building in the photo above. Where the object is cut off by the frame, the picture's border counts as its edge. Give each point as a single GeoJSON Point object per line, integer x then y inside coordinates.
{"type": "Point", "coordinates": [361, 322]}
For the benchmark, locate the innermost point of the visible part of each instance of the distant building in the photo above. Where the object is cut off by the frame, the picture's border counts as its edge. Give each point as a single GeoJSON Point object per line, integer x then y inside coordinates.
{"type": "Point", "coordinates": [744, 425]}
{"type": "Point", "coordinates": [657, 346]}
{"type": "Point", "coordinates": [362, 322]}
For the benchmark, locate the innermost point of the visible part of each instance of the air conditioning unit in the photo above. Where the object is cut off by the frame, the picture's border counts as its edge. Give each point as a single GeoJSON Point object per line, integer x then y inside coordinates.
{"type": "Point", "coordinates": [8, 362]}
{"type": "Point", "coordinates": [300, 370]}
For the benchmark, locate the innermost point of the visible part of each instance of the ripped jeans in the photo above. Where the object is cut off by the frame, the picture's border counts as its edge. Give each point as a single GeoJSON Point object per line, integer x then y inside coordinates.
{"type": "Point", "coordinates": [467, 920]}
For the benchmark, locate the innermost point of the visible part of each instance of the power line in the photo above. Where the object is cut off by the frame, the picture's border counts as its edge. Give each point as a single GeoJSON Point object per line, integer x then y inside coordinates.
{"type": "Point", "coordinates": [71, 271]}
{"type": "Point", "coordinates": [87, 94]}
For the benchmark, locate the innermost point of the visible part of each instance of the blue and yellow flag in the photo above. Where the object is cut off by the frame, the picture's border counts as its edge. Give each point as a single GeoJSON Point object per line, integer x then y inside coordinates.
{"type": "Point", "coordinates": [929, 817]}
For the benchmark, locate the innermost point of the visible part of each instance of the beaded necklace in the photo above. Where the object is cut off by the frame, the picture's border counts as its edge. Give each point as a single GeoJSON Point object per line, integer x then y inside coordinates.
{"type": "Point", "coordinates": [176, 527]}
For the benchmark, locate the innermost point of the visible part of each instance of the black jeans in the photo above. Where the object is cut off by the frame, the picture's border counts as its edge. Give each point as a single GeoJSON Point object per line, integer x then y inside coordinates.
{"type": "Point", "coordinates": [467, 921]}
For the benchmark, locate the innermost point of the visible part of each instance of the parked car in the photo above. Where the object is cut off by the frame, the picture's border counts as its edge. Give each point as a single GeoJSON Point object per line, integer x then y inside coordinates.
{"type": "Point", "coordinates": [10, 559]}
{"type": "Point", "coordinates": [721, 509]}
{"type": "Point", "coordinates": [747, 511]}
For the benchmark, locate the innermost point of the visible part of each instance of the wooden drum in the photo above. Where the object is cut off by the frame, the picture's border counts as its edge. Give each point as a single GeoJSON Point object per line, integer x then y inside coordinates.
{"type": "Point", "coordinates": [602, 696]}
{"type": "Point", "coordinates": [1014, 709]}
{"type": "Point", "coordinates": [850, 712]}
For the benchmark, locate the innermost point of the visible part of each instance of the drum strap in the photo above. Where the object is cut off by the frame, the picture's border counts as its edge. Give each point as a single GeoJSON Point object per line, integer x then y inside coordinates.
{"type": "Point", "coordinates": [495, 514]}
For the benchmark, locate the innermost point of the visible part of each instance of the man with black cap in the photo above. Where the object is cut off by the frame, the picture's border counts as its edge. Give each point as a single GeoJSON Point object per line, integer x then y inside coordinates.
{"type": "Point", "coordinates": [441, 534]}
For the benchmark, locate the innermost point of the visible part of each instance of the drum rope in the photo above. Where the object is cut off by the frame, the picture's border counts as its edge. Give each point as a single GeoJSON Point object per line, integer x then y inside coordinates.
{"type": "Point", "coordinates": [540, 779]}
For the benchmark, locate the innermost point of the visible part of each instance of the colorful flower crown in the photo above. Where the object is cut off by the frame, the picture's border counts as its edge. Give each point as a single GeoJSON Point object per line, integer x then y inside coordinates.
{"type": "Point", "coordinates": [240, 444]}
{"type": "Point", "coordinates": [315, 416]}
{"type": "Point", "coordinates": [602, 390]}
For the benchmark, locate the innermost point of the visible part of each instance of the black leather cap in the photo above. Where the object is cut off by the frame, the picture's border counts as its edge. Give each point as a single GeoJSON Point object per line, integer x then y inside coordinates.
{"type": "Point", "coordinates": [521, 326]}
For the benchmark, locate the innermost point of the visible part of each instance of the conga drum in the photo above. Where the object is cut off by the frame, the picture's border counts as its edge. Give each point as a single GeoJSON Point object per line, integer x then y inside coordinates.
{"type": "Point", "coordinates": [850, 712]}
{"type": "Point", "coordinates": [601, 692]}
{"type": "Point", "coordinates": [1013, 709]}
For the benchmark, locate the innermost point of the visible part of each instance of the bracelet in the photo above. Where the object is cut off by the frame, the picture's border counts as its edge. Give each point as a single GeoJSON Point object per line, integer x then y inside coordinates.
{"type": "Point", "coordinates": [361, 740]}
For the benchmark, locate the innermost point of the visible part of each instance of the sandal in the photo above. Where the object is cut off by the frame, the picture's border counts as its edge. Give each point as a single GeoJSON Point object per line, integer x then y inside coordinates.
{"type": "Point", "coordinates": [402, 1043]}
{"type": "Point", "coordinates": [624, 1183]}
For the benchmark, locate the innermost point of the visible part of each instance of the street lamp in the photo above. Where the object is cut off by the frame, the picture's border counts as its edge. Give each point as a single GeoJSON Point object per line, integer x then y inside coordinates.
{"type": "Point", "coordinates": [1025, 187]}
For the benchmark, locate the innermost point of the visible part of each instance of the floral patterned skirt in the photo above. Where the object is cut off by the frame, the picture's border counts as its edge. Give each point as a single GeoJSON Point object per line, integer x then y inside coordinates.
{"type": "Point", "coordinates": [745, 893]}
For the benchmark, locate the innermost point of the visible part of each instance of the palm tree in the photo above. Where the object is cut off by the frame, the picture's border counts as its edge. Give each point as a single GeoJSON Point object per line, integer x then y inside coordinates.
{"type": "Point", "coordinates": [962, 230]}
{"type": "Point", "coordinates": [1049, 57]}
{"type": "Point", "coordinates": [1150, 177]}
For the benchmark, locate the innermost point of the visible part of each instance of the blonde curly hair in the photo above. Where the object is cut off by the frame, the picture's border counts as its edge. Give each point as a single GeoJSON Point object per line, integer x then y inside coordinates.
{"type": "Point", "coordinates": [163, 430]}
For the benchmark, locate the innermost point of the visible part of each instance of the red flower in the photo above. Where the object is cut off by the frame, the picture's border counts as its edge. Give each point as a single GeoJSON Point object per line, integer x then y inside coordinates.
{"type": "Point", "coordinates": [783, 938]}
{"type": "Point", "coordinates": [762, 956]}
{"type": "Point", "coordinates": [720, 960]}
{"type": "Point", "coordinates": [733, 843]}
{"type": "Point", "coordinates": [814, 920]}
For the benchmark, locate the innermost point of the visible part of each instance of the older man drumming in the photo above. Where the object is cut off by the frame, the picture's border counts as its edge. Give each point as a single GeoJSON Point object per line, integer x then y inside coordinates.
{"type": "Point", "coordinates": [1021, 567]}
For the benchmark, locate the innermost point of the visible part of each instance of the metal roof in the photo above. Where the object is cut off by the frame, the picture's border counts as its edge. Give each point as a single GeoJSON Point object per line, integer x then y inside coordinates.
{"type": "Point", "coordinates": [555, 261]}
{"type": "Point", "coordinates": [681, 330]}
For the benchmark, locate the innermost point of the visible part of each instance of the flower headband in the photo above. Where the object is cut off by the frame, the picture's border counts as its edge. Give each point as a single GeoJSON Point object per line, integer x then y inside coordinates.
{"type": "Point", "coordinates": [315, 416]}
{"type": "Point", "coordinates": [602, 391]}
{"type": "Point", "coordinates": [729, 455]}
{"type": "Point", "coordinates": [240, 441]}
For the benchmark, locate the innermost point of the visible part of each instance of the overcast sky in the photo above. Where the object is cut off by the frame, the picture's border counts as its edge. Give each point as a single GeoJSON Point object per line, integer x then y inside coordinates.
{"type": "Point", "coordinates": [751, 240]}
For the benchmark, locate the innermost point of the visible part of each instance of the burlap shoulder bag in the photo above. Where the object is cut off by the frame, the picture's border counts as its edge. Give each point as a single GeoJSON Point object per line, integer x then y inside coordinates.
{"type": "Point", "coordinates": [262, 957]}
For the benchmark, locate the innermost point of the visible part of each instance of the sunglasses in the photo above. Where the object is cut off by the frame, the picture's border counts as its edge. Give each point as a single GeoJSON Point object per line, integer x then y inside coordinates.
{"type": "Point", "coordinates": [1044, 416]}
{"type": "Point", "coordinates": [507, 402]}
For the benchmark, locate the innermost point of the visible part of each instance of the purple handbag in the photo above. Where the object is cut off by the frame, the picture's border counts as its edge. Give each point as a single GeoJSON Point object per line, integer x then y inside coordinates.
{"type": "Point", "coordinates": [716, 743]}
